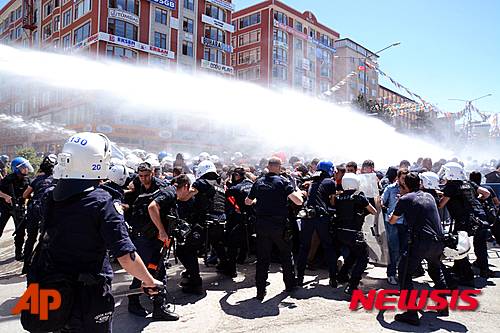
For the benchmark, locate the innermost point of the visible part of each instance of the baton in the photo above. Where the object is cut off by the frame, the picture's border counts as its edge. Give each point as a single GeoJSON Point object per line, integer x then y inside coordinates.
{"type": "Point", "coordinates": [136, 291]}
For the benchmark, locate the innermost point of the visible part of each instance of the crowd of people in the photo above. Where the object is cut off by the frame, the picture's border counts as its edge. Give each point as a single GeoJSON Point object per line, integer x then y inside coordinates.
{"type": "Point", "coordinates": [84, 206]}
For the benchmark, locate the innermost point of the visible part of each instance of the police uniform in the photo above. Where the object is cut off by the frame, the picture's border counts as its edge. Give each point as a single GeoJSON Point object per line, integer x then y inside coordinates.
{"type": "Point", "coordinates": [20, 185]}
{"type": "Point", "coordinates": [318, 199]}
{"type": "Point", "coordinates": [427, 236]}
{"type": "Point", "coordinates": [82, 230]}
{"type": "Point", "coordinates": [271, 192]}
{"type": "Point", "coordinates": [148, 246]}
{"type": "Point", "coordinates": [209, 203]}
{"type": "Point", "coordinates": [33, 217]}
{"type": "Point", "coordinates": [462, 205]}
{"type": "Point", "coordinates": [240, 217]}
{"type": "Point", "coordinates": [350, 206]}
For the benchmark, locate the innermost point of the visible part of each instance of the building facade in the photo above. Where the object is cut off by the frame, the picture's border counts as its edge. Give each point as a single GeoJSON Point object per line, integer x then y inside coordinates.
{"type": "Point", "coordinates": [187, 35]}
{"type": "Point", "coordinates": [279, 48]}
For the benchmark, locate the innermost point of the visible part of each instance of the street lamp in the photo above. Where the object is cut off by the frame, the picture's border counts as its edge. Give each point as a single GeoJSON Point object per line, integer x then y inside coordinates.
{"type": "Point", "coordinates": [364, 63]}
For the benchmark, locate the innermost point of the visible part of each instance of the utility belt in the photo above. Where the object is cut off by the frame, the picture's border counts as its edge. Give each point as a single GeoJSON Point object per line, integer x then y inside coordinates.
{"type": "Point", "coordinates": [281, 219]}
{"type": "Point", "coordinates": [89, 280]}
{"type": "Point", "coordinates": [312, 212]}
{"type": "Point", "coordinates": [416, 238]}
{"type": "Point", "coordinates": [34, 203]}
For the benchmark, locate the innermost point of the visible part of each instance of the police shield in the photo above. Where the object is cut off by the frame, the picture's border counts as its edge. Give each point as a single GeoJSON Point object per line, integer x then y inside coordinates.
{"type": "Point", "coordinates": [374, 227]}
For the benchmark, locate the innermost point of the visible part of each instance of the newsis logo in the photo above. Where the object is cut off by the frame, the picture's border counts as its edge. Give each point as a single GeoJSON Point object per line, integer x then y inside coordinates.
{"type": "Point", "coordinates": [38, 301]}
{"type": "Point", "coordinates": [381, 300]}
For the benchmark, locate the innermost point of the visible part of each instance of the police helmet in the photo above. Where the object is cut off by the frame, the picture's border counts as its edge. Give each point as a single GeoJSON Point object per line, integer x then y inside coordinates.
{"type": "Point", "coordinates": [429, 180]}
{"type": "Point", "coordinates": [351, 181]}
{"type": "Point", "coordinates": [326, 166]}
{"type": "Point", "coordinates": [204, 156]}
{"type": "Point", "coordinates": [215, 158]}
{"type": "Point", "coordinates": [48, 163]}
{"type": "Point", "coordinates": [453, 171]}
{"type": "Point", "coordinates": [204, 168]}
{"type": "Point", "coordinates": [118, 174]}
{"type": "Point", "coordinates": [463, 247]}
{"type": "Point", "coordinates": [133, 162]}
{"type": "Point", "coordinates": [5, 159]}
{"type": "Point", "coordinates": [162, 155]}
{"type": "Point", "coordinates": [18, 163]}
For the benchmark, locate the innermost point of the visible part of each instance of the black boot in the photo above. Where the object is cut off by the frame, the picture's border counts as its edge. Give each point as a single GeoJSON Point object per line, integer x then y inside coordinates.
{"type": "Point", "coordinates": [343, 275]}
{"type": "Point", "coordinates": [161, 311]}
{"type": "Point", "coordinates": [353, 285]}
{"type": "Point", "coordinates": [409, 317]}
{"type": "Point", "coordinates": [135, 307]}
{"type": "Point", "coordinates": [300, 278]}
{"type": "Point", "coordinates": [333, 279]}
{"type": "Point", "coordinates": [193, 287]}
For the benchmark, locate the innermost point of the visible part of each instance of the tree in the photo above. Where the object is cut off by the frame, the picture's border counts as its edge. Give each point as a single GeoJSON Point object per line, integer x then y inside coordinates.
{"type": "Point", "coordinates": [422, 123]}
{"type": "Point", "coordinates": [373, 107]}
{"type": "Point", "coordinates": [30, 155]}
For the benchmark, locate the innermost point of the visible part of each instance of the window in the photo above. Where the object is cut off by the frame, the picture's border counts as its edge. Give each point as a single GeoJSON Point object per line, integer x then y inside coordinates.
{"type": "Point", "coordinates": [66, 42]}
{"type": "Point", "coordinates": [215, 12]}
{"type": "Point", "coordinates": [312, 50]}
{"type": "Point", "coordinates": [159, 62]}
{"type": "Point", "coordinates": [187, 48]}
{"type": "Point", "coordinates": [361, 75]}
{"type": "Point", "coordinates": [361, 87]}
{"type": "Point", "coordinates": [11, 35]}
{"type": "Point", "coordinates": [233, 42]}
{"type": "Point", "coordinates": [19, 32]}
{"type": "Point", "coordinates": [374, 94]}
{"type": "Point", "coordinates": [47, 48]}
{"type": "Point", "coordinates": [298, 44]}
{"type": "Point", "coordinates": [1, 28]}
{"type": "Point", "coordinates": [324, 86]}
{"type": "Point", "coordinates": [12, 17]}
{"type": "Point", "coordinates": [373, 81]}
{"type": "Point", "coordinates": [325, 39]}
{"type": "Point", "coordinates": [56, 3]}
{"type": "Point", "coordinates": [250, 56]}
{"type": "Point", "coordinates": [281, 36]}
{"type": "Point", "coordinates": [131, 6]}
{"type": "Point", "coordinates": [312, 84]}
{"type": "Point", "coordinates": [81, 33]}
{"type": "Point", "coordinates": [279, 54]}
{"type": "Point", "coordinates": [233, 59]}
{"type": "Point", "coordinates": [35, 37]}
{"type": "Point", "coordinates": [121, 54]}
{"type": "Point", "coordinates": [160, 40]}
{"type": "Point", "coordinates": [326, 71]}
{"type": "Point", "coordinates": [279, 72]}
{"type": "Point", "coordinates": [66, 18]}
{"type": "Point", "coordinates": [215, 34]}
{"type": "Point", "coordinates": [47, 9]}
{"type": "Point", "coordinates": [312, 33]}
{"type": "Point", "coordinates": [249, 20]}
{"type": "Point", "coordinates": [235, 25]}
{"type": "Point", "coordinates": [55, 44]}
{"type": "Point", "coordinates": [298, 26]}
{"type": "Point", "coordinates": [312, 66]}
{"type": "Point", "coordinates": [188, 25]}
{"type": "Point", "coordinates": [352, 84]}
{"type": "Point", "coordinates": [298, 62]}
{"type": "Point", "coordinates": [189, 4]}
{"type": "Point", "coordinates": [47, 31]}
{"type": "Point", "coordinates": [280, 17]}
{"type": "Point", "coordinates": [122, 29]}
{"type": "Point", "coordinates": [249, 38]}
{"type": "Point", "coordinates": [214, 55]}
{"type": "Point", "coordinates": [82, 8]}
{"type": "Point", "coordinates": [249, 73]}
{"type": "Point", "coordinates": [351, 97]}
{"type": "Point", "coordinates": [57, 23]}
{"type": "Point", "coordinates": [187, 68]}
{"type": "Point", "coordinates": [327, 56]}
{"type": "Point", "coordinates": [19, 13]}
{"type": "Point", "coordinates": [352, 59]}
{"type": "Point", "coordinates": [161, 16]}
{"type": "Point", "coordinates": [298, 79]}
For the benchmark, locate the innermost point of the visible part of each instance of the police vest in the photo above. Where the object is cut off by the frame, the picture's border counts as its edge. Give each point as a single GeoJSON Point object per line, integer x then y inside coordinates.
{"type": "Point", "coordinates": [462, 200]}
{"type": "Point", "coordinates": [347, 209]}
{"type": "Point", "coordinates": [142, 221]}
{"type": "Point", "coordinates": [213, 201]}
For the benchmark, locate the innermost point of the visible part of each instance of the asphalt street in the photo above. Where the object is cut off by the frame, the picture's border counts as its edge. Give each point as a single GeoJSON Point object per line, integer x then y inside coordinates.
{"type": "Point", "coordinates": [229, 305]}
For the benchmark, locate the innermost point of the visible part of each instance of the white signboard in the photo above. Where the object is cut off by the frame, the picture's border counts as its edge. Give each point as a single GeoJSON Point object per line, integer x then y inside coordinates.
{"type": "Point", "coordinates": [305, 64]}
{"type": "Point", "coordinates": [216, 44]}
{"type": "Point", "coordinates": [123, 15]}
{"type": "Point", "coordinates": [305, 82]}
{"type": "Point", "coordinates": [188, 37]}
{"type": "Point", "coordinates": [174, 23]}
{"type": "Point", "coordinates": [283, 45]}
{"type": "Point", "coordinates": [217, 67]}
{"type": "Point", "coordinates": [136, 45]}
{"type": "Point", "coordinates": [217, 23]}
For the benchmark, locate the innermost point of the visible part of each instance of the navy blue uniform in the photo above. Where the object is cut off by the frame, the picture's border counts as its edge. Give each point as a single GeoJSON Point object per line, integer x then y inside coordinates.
{"type": "Point", "coordinates": [318, 199]}
{"type": "Point", "coordinates": [82, 230]}
{"type": "Point", "coordinates": [239, 228]}
{"type": "Point", "coordinates": [271, 192]}
{"type": "Point", "coordinates": [423, 219]}
{"type": "Point", "coordinates": [20, 185]}
{"type": "Point", "coordinates": [33, 217]}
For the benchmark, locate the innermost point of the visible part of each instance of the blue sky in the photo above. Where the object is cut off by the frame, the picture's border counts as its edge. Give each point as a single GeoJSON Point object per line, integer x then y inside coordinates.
{"type": "Point", "coordinates": [449, 48]}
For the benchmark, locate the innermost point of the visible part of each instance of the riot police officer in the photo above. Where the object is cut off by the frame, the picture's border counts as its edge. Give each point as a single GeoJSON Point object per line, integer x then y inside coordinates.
{"type": "Point", "coordinates": [83, 225]}
{"type": "Point", "coordinates": [316, 217]}
{"type": "Point", "coordinates": [240, 218]}
{"type": "Point", "coordinates": [270, 194]}
{"type": "Point", "coordinates": [34, 192]}
{"type": "Point", "coordinates": [145, 237]}
{"type": "Point", "coordinates": [12, 188]}
{"type": "Point", "coordinates": [427, 235]}
{"type": "Point", "coordinates": [350, 208]}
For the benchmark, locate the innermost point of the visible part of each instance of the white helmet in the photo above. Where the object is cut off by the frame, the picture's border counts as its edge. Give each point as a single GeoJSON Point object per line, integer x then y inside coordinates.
{"type": "Point", "coordinates": [130, 156]}
{"type": "Point", "coordinates": [205, 167]}
{"type": "Point", "coordinates": [133, 162]}
{"type": "Point", "coordinates": [85, 156]}
{"type": "Point", "coordinates": [117, 161]}
{"type": "Point", "coordinates": [167, 162]}
{"type": "Point", "coordinates": [204, 156]}
{"type": "Point", "coordinates": [429, 180]}
{"type": "Point", "coordinates": [118, 174]}
{"type": "Point", "coordinates": [463, 247]}
{"type": "Point", "coordinates": [351, 181]}
{"type": "Point", "coordinates": [453, 171]}
{"type": "Point", "coordinates": [215, 158]}
{"type": "Point", "coordinates": [139, 153]}
{"type": "Point", "coordinates": [57, 173]}
{"type": "Point", "coordinates": [237, 156]}
{"type": "Point", "coordinates": [151, 156]}
{"type": "Point", "coordinates": [153, 162]}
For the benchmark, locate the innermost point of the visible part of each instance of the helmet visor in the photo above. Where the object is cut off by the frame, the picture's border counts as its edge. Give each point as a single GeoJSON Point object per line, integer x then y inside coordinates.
{"type": "Point", "coordinates": [24, 165]}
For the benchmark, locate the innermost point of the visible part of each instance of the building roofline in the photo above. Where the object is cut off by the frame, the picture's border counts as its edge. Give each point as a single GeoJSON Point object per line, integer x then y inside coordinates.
{"type": "Point", "coordinates": [7, 6]}
{"type": "Point", "coordinates": [345, 38]}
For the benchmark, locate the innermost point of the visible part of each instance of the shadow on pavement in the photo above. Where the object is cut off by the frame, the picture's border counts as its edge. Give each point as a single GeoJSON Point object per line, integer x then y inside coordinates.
{"type": "Point", "coordinates": [429, 322]}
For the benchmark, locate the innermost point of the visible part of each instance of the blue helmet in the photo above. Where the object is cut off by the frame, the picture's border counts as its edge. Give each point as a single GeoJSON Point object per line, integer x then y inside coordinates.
{"type": "Point", "coordinates": [5, 159]}
{"type": "Point", "coordinates": [18, 163]}
{"type": "Point", "coordinates": [326, 166]}
{"type": "Point", "coordinates": [161, 155]}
